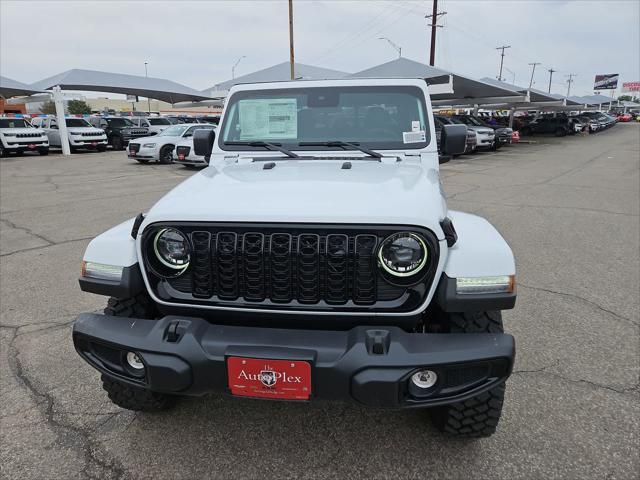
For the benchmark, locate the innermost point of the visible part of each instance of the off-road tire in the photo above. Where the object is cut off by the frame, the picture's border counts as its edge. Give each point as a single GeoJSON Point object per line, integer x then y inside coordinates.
{"type": "Point", "coordinates": [135, 398]}
{"type": "Point", "coordinates": [478, 416]}
{"type": "Point", "coordinates": [140, 306]}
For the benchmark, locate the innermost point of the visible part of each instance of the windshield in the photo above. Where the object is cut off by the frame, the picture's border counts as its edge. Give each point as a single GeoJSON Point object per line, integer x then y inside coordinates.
{"type": "Point", "coordinates": [174, 131]}
{"type": "Point", "coordinates": [13, 123]}
{"type": "Point", "coordinates": [374, 117]}
{"type": "Point", "coordinates": [158, 121]}
{"type": "Point", "coordinates": [120, 122]}
{"type": "Point", "coordinates": [76, 122]}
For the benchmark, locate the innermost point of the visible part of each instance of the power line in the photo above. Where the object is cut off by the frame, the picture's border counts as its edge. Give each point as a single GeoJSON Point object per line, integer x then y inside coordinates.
{"type": "Point", "coordinates": [502, 59]}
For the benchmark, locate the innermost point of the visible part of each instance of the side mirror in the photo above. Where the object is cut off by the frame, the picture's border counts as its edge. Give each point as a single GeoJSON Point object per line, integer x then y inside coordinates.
{"type": "Point", "coordinates": [454, 139]}
{"type": "Point", "coordinates": [203, 143]}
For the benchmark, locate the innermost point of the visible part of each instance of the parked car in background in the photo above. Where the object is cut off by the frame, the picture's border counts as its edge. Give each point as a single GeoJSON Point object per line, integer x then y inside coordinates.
{"type": "Point", "coordinates": [180, 119]}
{"type": "Point", "coordinates": [625, 117]}
{"type": "Point", "coordinates": [560, 126]}
{"type": "Point", "coordinates": [184, 154]}
{"type": "Point", "coordinates": [502, 134]}
{"type": "Point", "coordinates": [18, 136]}
{"type": "Point", "coordinates": [485, 136]}
{"type": "Point", "coordinates": [472, 139]}
{"type": "Point", "coordinates": [213, 119]}
{"type": "Point", "coordinates": [159, 148]}
{"type": "Point", "coordinates": [82, 135]}
{"type": "Point", "coordinates": [153, 124]}
{"type": "Point", "coordinates": [119, 130]}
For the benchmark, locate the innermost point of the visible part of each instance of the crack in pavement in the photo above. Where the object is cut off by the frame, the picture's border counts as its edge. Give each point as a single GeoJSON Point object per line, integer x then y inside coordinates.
{"type": "Point", "coordinates": [63, 242]}
{"type": "Point", "coordinates": [595, 210]}
{"type": "Point", "coordinates": [584, 300]}
{"type": "Point", "coordinates": [27, 230]}
{"type": "Point", "coordinates": [77, 438]}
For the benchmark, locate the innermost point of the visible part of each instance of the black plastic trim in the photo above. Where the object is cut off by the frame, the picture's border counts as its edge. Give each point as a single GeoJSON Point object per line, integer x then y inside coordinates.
{"type": "Point", "coordinates": [136, 225]}
{"type": "Point", "coordinates": [130, 285]}
{"type": "Point", "coordinates": [367, 365]}
{"type": "Point", "coordinates": [450, 234]}
{"type": "Point", "coordinates": [448, 299]}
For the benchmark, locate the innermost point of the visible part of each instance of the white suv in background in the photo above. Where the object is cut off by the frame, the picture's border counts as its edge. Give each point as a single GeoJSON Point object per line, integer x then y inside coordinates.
{"type": "Point", "coordinates": [17, 136]}
{"type": "Point", "coordinates": [154, 124]}
{"type": "Point", "coordinates": [185, 154]}
{"type": "Point", "coordinates": [80, 132]}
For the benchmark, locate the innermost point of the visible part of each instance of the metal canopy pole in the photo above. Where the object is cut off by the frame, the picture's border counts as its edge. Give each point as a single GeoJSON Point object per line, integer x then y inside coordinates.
{"type": "Point", "coordinates": [62, 124]}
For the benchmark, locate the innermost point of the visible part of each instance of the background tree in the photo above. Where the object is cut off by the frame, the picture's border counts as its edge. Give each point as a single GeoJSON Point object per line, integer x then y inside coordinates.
{"type": "Point", "coordinates": [78, 107]}
{"type": "Point", "coordinates": [48, 107]}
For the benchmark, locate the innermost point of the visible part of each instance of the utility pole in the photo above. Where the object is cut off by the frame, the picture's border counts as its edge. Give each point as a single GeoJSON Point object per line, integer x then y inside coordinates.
{"type": "Point", "coordinates": [502, 59]}
{"type": "Point", "coordinates": [233, 69]}
{"type": "Point", "coordinates": [570, 81]}
{"type": "Point", "coordinates": [434, 26]}
{"type": "Point", "coordinates": [533, 70]}
{"type": "Point", "coordinates": [291, 56]}
{"type": "Point", "coordinates": [146, 74]}
{"type": "Point", "coordinates": [397, 48]}
{"type": "Point", "coordinates": [551, 70]}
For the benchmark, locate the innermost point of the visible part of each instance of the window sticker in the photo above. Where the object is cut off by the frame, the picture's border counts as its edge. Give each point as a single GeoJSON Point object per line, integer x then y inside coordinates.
{"type": "Point", "coordinates": [269, 118]}
{"type": "Point", "coordinates": [415, 126]}
{"type": "Point", "coordinates": [414, 137]}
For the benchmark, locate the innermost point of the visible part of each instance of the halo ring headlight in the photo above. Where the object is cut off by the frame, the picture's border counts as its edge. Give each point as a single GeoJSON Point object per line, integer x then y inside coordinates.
{"type": "Point", "coordinates": [172, 248]}
{"type": "Point", "coordinates": [403, 254]}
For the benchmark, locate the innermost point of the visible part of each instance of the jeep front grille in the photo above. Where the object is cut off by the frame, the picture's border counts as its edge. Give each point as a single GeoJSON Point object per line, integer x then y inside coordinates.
{"type": "Point", "coordinates": [276, 267]}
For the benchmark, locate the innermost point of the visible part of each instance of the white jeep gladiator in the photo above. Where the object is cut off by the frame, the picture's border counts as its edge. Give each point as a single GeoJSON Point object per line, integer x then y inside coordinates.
{"type": "Point", "coordinates": [314, 258]}
{"type": "Point", "coordinates": [17, 135]}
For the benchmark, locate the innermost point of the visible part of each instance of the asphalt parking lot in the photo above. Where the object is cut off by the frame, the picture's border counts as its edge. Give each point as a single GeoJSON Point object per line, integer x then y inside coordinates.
{"type": "Point", "coordinates": [569, 207]}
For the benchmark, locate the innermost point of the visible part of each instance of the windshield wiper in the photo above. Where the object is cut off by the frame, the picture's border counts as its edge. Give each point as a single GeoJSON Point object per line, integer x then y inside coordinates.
{"type": "Point", "coordinates": [338, 143]}
{"type": "Point", "coordinates": [267, 145]}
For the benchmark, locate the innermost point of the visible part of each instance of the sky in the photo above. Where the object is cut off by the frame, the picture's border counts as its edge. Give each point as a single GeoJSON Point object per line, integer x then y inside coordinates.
{"type": "Point", "coordinates": [196, 43]}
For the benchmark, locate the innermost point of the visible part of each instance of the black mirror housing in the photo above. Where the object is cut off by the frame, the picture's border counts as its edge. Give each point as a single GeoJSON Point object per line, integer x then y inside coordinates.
{"type": "Point", "coordinates": [203, 142]}
{"type": "Point", "coordinates": [454, 139]}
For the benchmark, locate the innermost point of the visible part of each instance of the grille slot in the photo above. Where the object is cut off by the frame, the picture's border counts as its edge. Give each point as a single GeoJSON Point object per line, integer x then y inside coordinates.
{"type": "Point", "coordinates": [201, 276]}
{"type": "Point", "coordinates": [365, 274]}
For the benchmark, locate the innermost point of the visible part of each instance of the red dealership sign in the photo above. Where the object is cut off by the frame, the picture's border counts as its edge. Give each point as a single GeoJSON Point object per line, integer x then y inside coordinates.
{"type": "Point", "coordinates": [631, 86]}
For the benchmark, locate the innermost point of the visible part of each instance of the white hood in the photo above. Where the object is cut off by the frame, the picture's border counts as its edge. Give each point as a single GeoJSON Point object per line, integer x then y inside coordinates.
{"type": "Point", "coordinates": [22, 130]}
{"type": "Point", "coordinates": [308, 191]}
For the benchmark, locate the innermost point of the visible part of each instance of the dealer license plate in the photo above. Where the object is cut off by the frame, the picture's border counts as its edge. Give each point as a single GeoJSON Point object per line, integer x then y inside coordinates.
{"type": "Point", "coordinates": [276, 379]}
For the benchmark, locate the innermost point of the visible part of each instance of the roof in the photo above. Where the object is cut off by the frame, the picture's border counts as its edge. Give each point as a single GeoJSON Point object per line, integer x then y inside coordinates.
{"type": "Point", "coordinates": [281, 72]}
{"type": "Point", "coordinates": [535, 95]}
{"type": "Point", "coordinates": [92, 80]}
{"type": "Point", "coordinates": [597, 99]}
{"type": "Point", "coordinates": [12, 88]}
{"type": "Point", "coordinates": [464, 88]}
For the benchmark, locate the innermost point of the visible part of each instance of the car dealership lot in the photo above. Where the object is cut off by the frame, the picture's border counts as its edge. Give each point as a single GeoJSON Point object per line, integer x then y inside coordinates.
{"type": "Point", "coordinates": [569, 208]}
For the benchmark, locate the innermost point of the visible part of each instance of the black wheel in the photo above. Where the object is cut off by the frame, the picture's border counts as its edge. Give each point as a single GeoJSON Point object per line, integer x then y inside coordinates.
{"type": "Point", "coordinates": [43, 151]}
{"type": "Point", "coordinates": [117, 143]}
{"type": "Point", "coordinates": [122, 394]}
{"type": "Point", "coordinates": [140, 306]}
{"type": "Point", "coordinates": [135, 398]}
{"type": "Point", "coordinates": [478, 416]}
{"type": "Point", "coordinates": [3, 152]}
{"type": "Point", "coordinates": [166, 154]}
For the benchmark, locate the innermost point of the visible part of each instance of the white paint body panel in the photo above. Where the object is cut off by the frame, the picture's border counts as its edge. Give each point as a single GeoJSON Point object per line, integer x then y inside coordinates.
{"type": "Point", "coordinates": [116, 246]}
{"type": "Point", "coordinates": [480, 249]}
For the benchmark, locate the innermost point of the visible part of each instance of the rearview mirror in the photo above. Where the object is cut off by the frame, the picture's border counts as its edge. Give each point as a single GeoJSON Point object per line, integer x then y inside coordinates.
{"type": "Point", "coordinates": [203, 143]}
{"type": "Point", "coordinates": [454, 139]}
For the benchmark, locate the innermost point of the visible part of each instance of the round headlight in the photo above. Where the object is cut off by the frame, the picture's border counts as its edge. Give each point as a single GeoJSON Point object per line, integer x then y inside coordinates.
{"type": "Point", "coordinates": [172, 248]}
{"type": "Point", "coordinates": [403, 254]}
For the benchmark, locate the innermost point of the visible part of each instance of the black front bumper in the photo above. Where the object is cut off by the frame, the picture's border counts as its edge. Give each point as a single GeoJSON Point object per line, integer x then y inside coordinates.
{"type": "Point", "coordinates": [369, 365]}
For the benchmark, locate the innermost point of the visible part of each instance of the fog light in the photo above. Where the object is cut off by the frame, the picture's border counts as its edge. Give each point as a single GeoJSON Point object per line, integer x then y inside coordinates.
{"type": "Point", "coordinates": [424, 379]}
{"type": "Point", "coordinates": [134, 361]}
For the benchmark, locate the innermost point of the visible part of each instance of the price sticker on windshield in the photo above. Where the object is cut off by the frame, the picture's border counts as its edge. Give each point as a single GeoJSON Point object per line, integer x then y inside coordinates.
{"type": "Point", "coordinates": [268, 119]}
{"type": "Point", "coordinates": [414, 137]}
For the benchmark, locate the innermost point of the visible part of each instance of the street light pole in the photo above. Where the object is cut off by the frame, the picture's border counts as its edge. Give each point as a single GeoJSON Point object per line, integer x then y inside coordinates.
{"type": "Point", "coordinates": [397, 48]}
{"type": "Point", "coordinates": [146, 74]}
{"type": "Point", "coordinates": [233, 69]}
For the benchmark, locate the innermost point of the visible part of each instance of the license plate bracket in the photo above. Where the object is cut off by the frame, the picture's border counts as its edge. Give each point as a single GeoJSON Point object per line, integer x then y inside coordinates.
{"type": "Point", "coordinates": [269, 378]}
